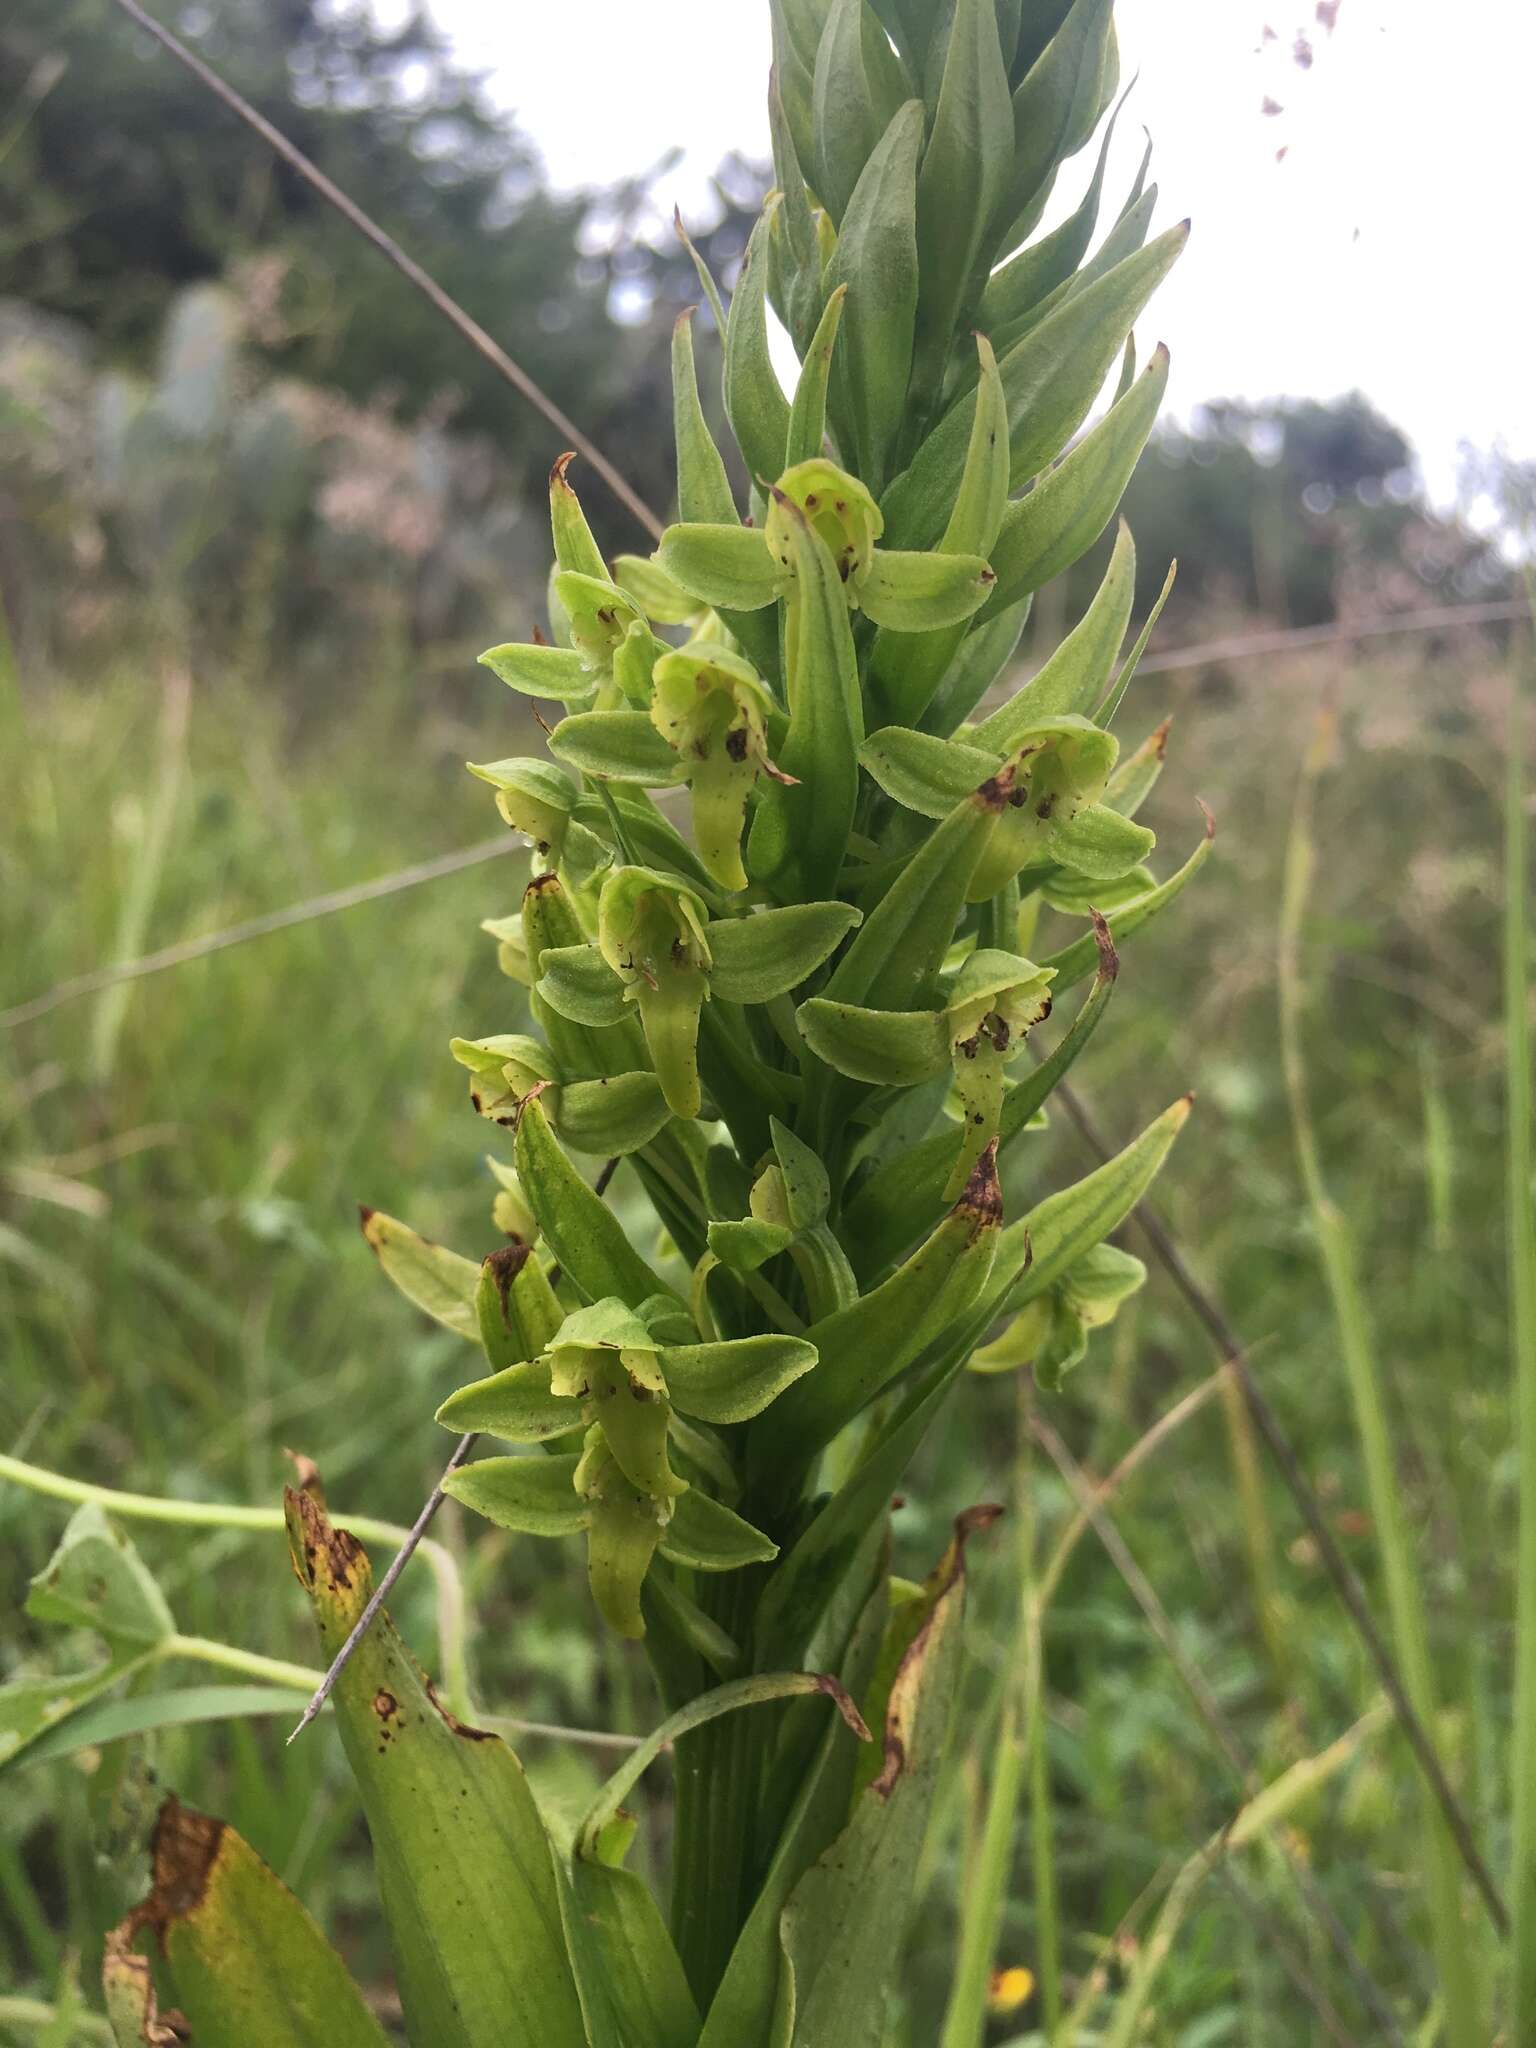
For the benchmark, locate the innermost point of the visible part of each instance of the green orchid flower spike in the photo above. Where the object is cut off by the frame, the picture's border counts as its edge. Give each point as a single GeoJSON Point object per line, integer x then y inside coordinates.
{"type": "Point", "coordinates": [739, 568]}
{"type": "Point", "coordinates": [995, 1001]}
{"type": "Point", "coordinates": [1051, 1334]}
{"type": "Point", "coordinates": [609, 1377]}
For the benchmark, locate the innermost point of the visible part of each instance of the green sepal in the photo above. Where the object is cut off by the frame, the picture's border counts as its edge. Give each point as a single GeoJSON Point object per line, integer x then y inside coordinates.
{"type": "Point", "coordinates": [733, 1380]}
{"type": "Point", "coordinates": [876, 257]}
{"type": "Point", "coordinates": [620, 746]}
{"type": "Point", "coordinates": [653, 590]}
{"type": "Point", "coordinates": [532, 1496]}
{"type": "Point", "coordinates": [1073, 962]}
{"type": "Point", "coordinates": [578, 983]}
{"type": "Point", "coordinates": [1045, 532]}
{"type": "Point", "coordinates": [1102, 844]}
{"type": "Point", "coordinates": [927, 775]}
{"type": "Point", "coordinates": [708, 1537]}
{"type": "Point", "coordinates": [624, 1527]}
{"type": "Point", "coordinates": [616, 1114]}
{"type": "Point", "coordinates": [598, 615]}
{"type": "Point", "coordinates": [807, 1187]}
{"type": "Point", "coordinates": [728, 567]}
{"type": "Point", "coordinates": [1106, 712]}
{"type": "Point", "coordinates": [436, 1280]}
{"type": "Point", "coordinates": [1080, 895]}
{"type": "Point", "coordinates": [534, 798]}
{"type": "Point", "coordinates": [768, 954]}
{"type": "Point", "coordinates": [558, 673]}
{"type": "Point", "coordinates": [988, 646]}
{"type": "Point", "coordinates": [650, 930]}
{"type": "Point", "coordinates": [917, 593]}
{"type": "Point", "coordinates": [754, 398]}
{"type": "Point", "coordinates": [897, 1048]}
{"type": "Point", "coordinates": [515, 1404]}
{"type": "Point", "coordinates": [746, 1245]}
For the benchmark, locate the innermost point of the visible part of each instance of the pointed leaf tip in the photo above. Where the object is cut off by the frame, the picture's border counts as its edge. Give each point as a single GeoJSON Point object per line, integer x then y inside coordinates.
{"type": "Point", "coordinates": [843, 1701]}
{"type": "Point", "coordinates": [982, 1195]}
{"type": "Point", "coordinates": [1103, 938]}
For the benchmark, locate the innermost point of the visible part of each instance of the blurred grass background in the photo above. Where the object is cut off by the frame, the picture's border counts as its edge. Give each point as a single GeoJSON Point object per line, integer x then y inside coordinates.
{"type": "Point", "coordinates": [243, 581]}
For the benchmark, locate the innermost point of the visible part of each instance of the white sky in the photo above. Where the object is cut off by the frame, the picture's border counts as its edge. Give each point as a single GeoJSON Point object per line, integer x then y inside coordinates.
{"type": "Point", "coordinates": [1390, 249]}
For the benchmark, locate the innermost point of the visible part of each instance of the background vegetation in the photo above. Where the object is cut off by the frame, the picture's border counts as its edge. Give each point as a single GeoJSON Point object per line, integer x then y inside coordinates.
{"type": "Point", "coordinates": [255, 517]}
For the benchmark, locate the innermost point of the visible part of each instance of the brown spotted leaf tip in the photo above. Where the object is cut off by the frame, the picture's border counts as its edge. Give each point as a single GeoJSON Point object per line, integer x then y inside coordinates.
{"type": "Point", "coordinates": [947, 1580]}
{"type": "Point", "coordinates": [1103, 938]}
{"type": "Point", "coordinates": [981, 1199]}
{"type": "Point", "coordinates": [128, 1986]}
{"type": "Point", "coordinates": [842, 1699]}
{"type": "Point", "coordinates": [504, 1266]}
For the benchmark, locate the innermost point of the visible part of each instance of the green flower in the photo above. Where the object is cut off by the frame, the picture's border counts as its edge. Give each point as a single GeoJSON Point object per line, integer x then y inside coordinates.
{"type": "Point", "coordinates": [742, 568]}
{"type": "Point", "coordinates": [996, 999]}
{"type": "Point", "coordinates": [1051, 1334]}
{"type": "Point", "coordinates": [610, 1373]}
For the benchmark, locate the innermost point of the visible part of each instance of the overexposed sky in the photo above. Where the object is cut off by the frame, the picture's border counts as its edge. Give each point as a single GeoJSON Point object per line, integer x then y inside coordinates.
{"type": "Point", "coordinates": [1388, 249]}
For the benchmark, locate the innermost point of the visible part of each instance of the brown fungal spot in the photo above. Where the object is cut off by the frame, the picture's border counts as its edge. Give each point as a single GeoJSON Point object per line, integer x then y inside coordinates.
{"type": "Point", "coordinates": [385, 1705]}
{"type": "Point", "coordinates": [982, 1196]}
{"type": "Point", "coordinates": [736, 744]}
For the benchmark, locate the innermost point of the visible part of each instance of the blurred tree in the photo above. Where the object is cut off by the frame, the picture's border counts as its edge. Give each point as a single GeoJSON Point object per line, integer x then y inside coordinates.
{"type": "Point", "coordinates": [1297, 510]}
{"type": "Point", "coordinates": [124, 181]}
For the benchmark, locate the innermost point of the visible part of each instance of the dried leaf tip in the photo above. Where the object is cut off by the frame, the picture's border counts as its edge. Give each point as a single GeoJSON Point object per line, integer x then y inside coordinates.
{"type": "Point", "coordinates": [557, 476]}
{"type": "Point", "coordinates": [1209, 816]}
{"type": "Point", "coordinates": [843, 1701]}
{"type": "Point", "coordinates": [1104, 939]}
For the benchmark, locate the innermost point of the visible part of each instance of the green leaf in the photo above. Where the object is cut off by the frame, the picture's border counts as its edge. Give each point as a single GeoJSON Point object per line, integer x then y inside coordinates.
{"type": "Point", "coordinates": [96, 1580]}
{"type": "Point", "coordinates": [895, 1048]}
{"type": "Point", "coordinates": [246, 1962]}
{"type": "Point", "coordinates": [808, 414]}
{"type": "Point", "coordinates": [1051, 378]}
{"type": "Point", "coordinates": [558, 673]}
{"type": "Point", "coordinates": [577, 982]}
{"type": "Point", "coordinates": [575, 547]}
{"type": "Point", "coordinates": [754, 959]}
{"type": "Point", "coordinates": [725, 566]}
{"type": "Point", "coordinates": [707, 1537]}
{"type": "Point", "coordinates": [846, 1921]}
{"type": "Point", "coordinates": [1076, 960]}
{"type": "Point", "coordinates": [441, 1283]}
{"type": "Point", "coordinates": [807, 1187]}
{"type": "Point", "coordinates": [533, 796]}
{"type": "Point", "coordinates": [39, 1712]}
{"type": "Point", "coordinates": [1065, 1226]}
{"type": "Point", "coordinates": [462, 1857]}
{"type": "Point", "coordinates": [634, 1967]}
{"type": "Point", "coordinates": [915, 593]}
{"type": "Point", "coordinates": [965, 174]}
{"type": "Point", "coordinates": [103, 1721]}
{"type": "Point", "coordinates": [905, 937]}
{"type": "Point", "coordinates": [876, 257]}
{"type": "Point", "coordinates": [847, 117]}
{"type": "Point", "coordinates": [515, 1404]}
{"type": "Point", "coordinates": [1045, 532]}
{"type": "Point", "coordinates": [754, 397]}
{"type": "Point", "coordinates": [1047, 102]}
{"type": "Point", "coordinates": [862, 1348]}
{"type": "Point", "coordinates": [1076, 675]}
{"type": "Point", "coordinates": [703, 487]}
{"type": "Point", "coordinates": [1105, 714]}
{"type": "Point", "coordinates": [533, 1496]}
{"type": "Point", "coordinates": [799, 836]}
{"type": "Point", "coordinates": [1019, 286]}
{"type": "Point", "coordinates": [623, 746]}
{"type": "Point", "coordinates": [583, 1232]}
{"type": "Point", "coordinates": [733, 1380]}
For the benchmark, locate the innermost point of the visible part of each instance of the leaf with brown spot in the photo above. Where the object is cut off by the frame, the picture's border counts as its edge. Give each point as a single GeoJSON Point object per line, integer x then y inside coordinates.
{"type": "Point", "coordinates": [246, 1961]}
{"type": "Point", "coordinates": [844, 1924]}
{"type": "Point", "coordinates": [461, 1853]}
